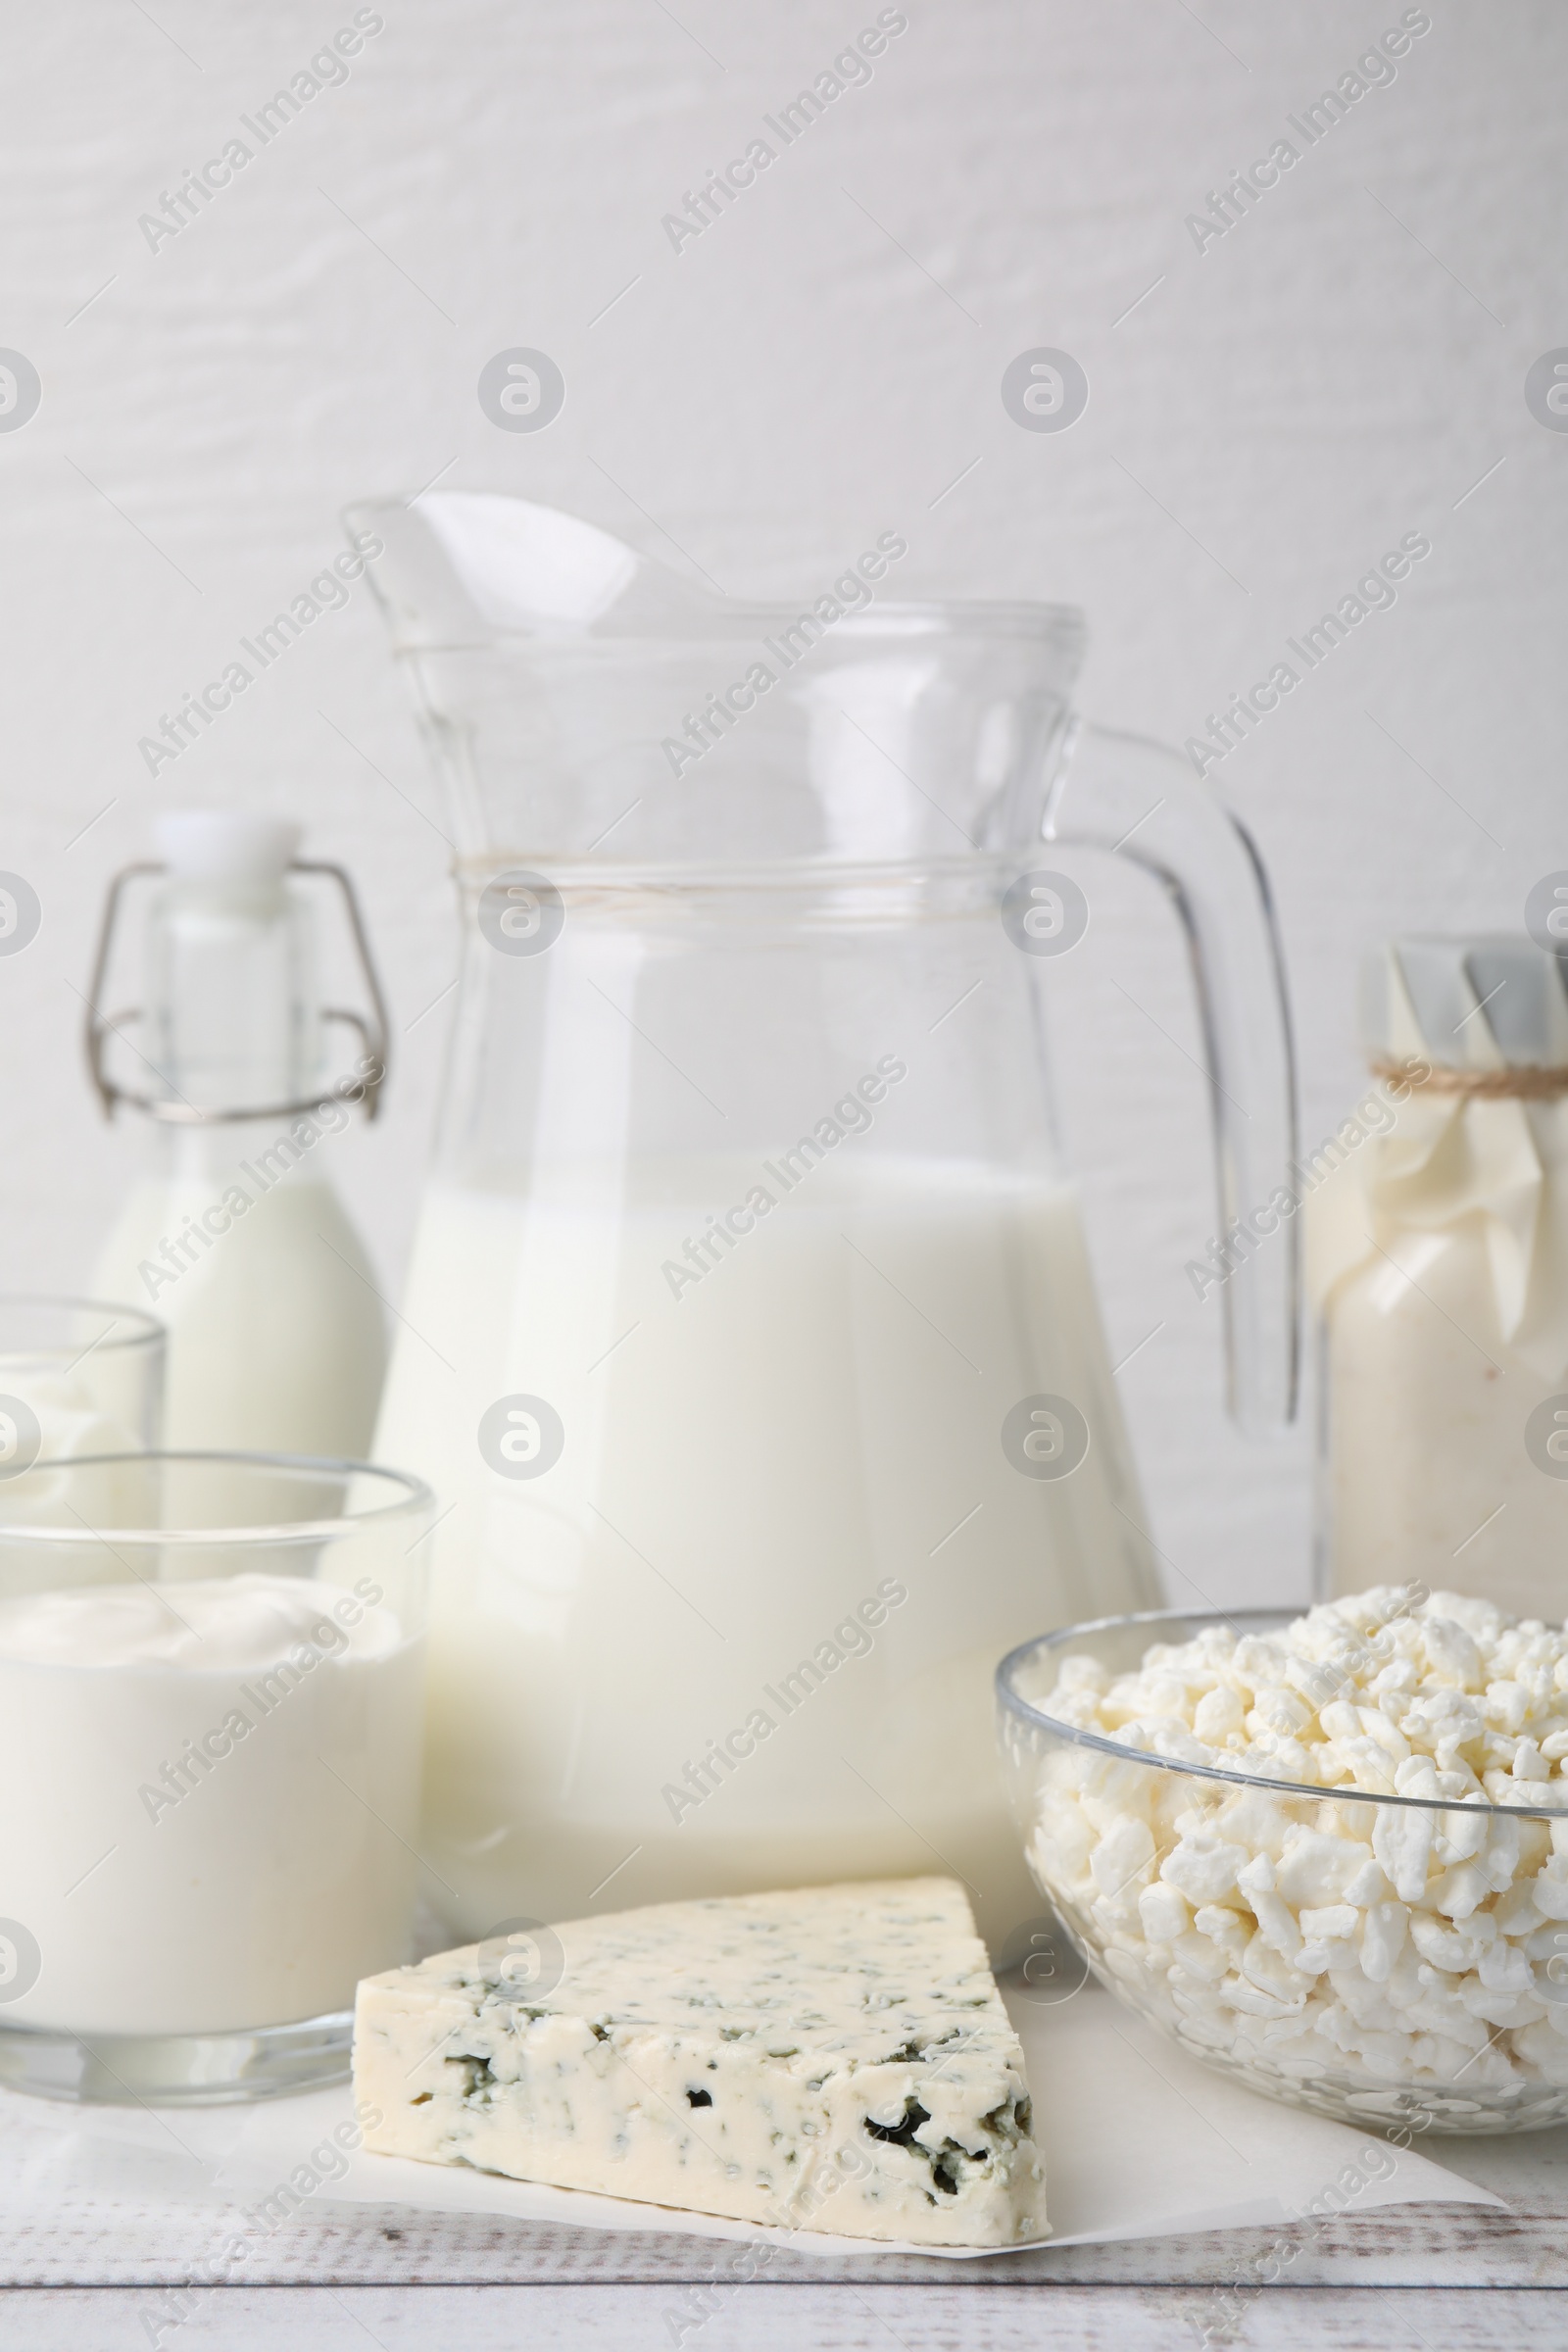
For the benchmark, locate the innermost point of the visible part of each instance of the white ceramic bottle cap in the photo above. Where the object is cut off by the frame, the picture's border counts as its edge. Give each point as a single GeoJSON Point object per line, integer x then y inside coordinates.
{"type": "Point", "coordinates": [1476, 1001]}
{"type": "Point", "coordinates": [225, 845]}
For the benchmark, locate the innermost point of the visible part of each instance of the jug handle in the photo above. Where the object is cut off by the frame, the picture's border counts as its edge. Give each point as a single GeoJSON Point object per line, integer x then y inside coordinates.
{"type": "Point", "coordinates": [1141, 801]}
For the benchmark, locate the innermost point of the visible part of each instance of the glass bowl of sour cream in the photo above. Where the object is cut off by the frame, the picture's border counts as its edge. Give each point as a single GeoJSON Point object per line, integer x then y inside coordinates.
{"type": "Point", "coordinates": [211, 1695]}
{"type": "Point", "coordinates": [1326, 1852]}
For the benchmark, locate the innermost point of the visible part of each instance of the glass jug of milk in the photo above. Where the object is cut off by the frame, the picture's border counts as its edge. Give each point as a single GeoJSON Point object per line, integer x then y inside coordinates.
{"type": "Point", "coordinates": [749, 1338]}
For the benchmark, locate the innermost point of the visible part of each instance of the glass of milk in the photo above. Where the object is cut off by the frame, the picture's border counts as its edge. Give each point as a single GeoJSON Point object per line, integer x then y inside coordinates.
{"type": "Point", "coordinates": [210, 1683]}
{"type": "Point", "coordinates": [76, 1376]}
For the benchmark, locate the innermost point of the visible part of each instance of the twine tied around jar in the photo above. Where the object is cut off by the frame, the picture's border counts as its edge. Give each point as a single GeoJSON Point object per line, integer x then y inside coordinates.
{"type": "Point", "coordinates": [1520, 1082]}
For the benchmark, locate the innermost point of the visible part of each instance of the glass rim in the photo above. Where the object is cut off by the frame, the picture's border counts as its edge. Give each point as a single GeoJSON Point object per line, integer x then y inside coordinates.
{"type": "Point", "coordinates": [886, 616]}
{"type": "Point", "coordinates": [415, 1496]}
{"type": "Point", "coordinates": [675, 881]}
{"type": "Point", "coordinates": [152, 1331]}
{"type": "Point", "coordinates": [1255, 1620]}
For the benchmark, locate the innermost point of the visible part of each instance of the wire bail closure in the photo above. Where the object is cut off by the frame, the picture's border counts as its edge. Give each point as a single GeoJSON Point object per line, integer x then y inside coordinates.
{"type": "Point", "coordinates": [102, 1026]}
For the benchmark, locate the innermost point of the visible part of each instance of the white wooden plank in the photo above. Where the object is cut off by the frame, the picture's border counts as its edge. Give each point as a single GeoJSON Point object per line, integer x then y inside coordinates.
{"type": "Point", "coordinates": [104, 2243]}
{"type": "Point", "coordinates": [780, 2319]}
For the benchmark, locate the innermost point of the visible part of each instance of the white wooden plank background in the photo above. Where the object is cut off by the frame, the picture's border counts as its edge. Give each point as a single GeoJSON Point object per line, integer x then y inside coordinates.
{"type": "Point", "coordinates": [858, 2318]}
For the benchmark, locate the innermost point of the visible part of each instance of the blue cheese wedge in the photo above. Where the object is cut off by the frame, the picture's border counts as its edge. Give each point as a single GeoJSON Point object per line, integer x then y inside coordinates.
{"type": "Point", "coordinates": [834, 2058]}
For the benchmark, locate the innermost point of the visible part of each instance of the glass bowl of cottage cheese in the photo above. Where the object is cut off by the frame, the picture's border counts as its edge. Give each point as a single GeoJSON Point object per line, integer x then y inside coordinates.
{"type": "Point", "coordinates": [1327, 1853]}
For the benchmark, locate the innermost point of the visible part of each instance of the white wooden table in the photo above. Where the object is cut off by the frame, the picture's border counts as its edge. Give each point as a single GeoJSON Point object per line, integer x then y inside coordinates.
{"type": "Point", "coordinates": [98, 2275]}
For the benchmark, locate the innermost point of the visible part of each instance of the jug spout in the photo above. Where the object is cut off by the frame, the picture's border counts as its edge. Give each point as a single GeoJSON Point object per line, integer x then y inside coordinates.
{"type": "Point", "coordinates": [464, 568]}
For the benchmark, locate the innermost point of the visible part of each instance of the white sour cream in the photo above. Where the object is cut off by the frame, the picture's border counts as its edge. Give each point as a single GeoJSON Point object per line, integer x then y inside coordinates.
{"type": "Point", "coordinates": [207, 1799]}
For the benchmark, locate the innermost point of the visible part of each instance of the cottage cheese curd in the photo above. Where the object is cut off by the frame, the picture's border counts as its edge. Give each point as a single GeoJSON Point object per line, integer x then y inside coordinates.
{"type": "Point", "coordinates": [1409, 1959]}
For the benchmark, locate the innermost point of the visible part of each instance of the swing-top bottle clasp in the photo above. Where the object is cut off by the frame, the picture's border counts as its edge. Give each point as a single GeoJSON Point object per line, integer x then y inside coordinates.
{"type": "Point", "coordinates": [368, 1026]}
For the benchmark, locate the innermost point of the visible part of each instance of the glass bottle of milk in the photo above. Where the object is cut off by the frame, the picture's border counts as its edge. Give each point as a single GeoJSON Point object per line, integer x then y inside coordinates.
{"type": "Point", "coordinates": [1438, 1264]}
{"type": "Point", "coordinates": [235, 1237]}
